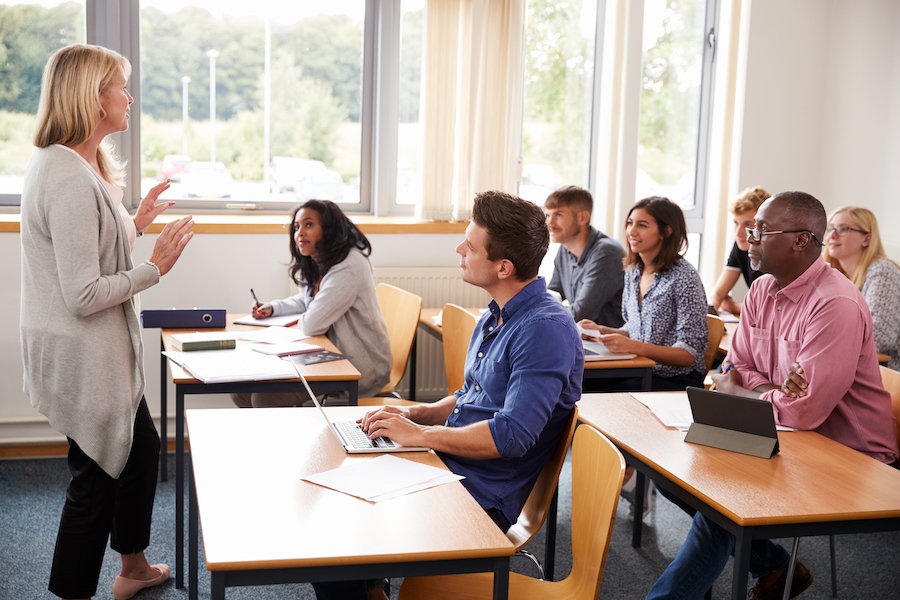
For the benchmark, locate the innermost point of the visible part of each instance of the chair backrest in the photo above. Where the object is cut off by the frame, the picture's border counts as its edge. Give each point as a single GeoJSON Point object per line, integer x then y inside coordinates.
{"type": "Point", "coordinates": [457, 325]}
{"type": "Point", "coordinates": [537, 505]}
{"type": "Point", "coordinates": [401, 310]}
{"type": "Point", "coordinates": [597, 473]}
{"type": "Point", "coordinates": [891, 381]}
{"type": "Point", "coordinates": [715, 329]}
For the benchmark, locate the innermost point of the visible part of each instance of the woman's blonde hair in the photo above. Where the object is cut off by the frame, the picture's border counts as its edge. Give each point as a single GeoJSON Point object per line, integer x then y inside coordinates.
{"type": "Point", "coordinates": [864, 219]}
{"type": "Point", "coordinates": [69, 109]}
{"type": "Point", "coordinates": [749, 199]}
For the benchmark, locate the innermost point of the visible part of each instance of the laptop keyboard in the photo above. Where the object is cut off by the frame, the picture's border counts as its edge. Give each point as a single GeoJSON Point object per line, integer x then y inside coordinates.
{"type": "Point", "coordinates": [358, 440]}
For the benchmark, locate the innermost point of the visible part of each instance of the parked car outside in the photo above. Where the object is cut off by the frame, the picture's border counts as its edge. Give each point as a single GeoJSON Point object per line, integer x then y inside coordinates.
{"type": "Point", "coordinates": [306, 179]}
{"type": "Point", "coordinates": [173, 167]}
{"type": "Point", "coordinates": [207, 180]}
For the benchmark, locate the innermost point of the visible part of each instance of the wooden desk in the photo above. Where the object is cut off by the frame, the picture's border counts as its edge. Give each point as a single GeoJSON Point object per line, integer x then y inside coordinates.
{"type": "Point", "coordinates": [814, 486]}
{"type": "Point", "coordinates": [599, 369]}
{"type": "Point", "coordinates": [262, 525]}
{"type": "Point", "coordinates": [323, 378]}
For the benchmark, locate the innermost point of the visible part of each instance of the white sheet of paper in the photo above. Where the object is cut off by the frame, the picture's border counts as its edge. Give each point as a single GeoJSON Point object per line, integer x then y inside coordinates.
{"type": "Point", "coordinates": [224, 366]}
{"type": "Point", "coordinates": [271, 335]}
{"type": "Point", "coordinates": [672, 409]}
{"type": "Point", "coordinates": [279, 321]}
{"type": "Point", "coordinates": [377, 479]}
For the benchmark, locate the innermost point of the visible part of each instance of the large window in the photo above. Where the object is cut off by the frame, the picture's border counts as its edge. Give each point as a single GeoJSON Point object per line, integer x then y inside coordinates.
{"type": "Point", "coordinates": [29, 33]}
{"type": "Point", "coordinates": [252, 102]}
{"type": "Point", "coordinates": [672, 132]}
{"type": "Point", "coordinates": [560, 37]}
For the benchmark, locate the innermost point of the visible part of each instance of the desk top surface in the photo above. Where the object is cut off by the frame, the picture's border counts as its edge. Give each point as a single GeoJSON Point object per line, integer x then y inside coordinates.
{"type": "Point", "coordinates": [812, 478]}
{"type": "Point", "coordinates": [426, 319]}
{"type": "Point", "coordinates": [336, 370]}
{"type": "Point", "coordinates": [256, 512]}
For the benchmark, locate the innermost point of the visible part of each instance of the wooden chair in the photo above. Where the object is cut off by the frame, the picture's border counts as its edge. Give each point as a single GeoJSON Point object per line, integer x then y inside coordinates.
{"type": "Point", "coordinates": [401, 310]}
{"type": "Point", "coordinates": [457, 325]}
{"type": "Point", "coordinates": [715, 329]}
{"type": "Point", "coordinates": [542, 500]}
{"type": "Point", "coordinates": [597, 472]}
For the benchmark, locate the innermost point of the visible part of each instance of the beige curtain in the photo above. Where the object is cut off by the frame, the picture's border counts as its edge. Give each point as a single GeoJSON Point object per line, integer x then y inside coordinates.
{"type": "Point", "coordinates": [471, 103]}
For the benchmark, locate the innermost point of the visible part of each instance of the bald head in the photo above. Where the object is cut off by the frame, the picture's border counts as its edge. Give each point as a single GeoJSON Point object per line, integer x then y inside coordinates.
{"type": "Point", "coordinates": [801, 211]}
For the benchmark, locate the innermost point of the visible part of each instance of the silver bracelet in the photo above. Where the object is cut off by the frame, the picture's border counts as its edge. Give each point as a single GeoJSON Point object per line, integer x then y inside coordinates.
{"type": "Point", "coordinates": [153, 264]}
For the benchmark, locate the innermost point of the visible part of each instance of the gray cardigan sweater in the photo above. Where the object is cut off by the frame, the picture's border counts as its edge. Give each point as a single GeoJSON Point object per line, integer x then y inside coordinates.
{"type": "Point", "coordinates": [81, 340]}
{"type": "Point", "coordinates": [346, 310]}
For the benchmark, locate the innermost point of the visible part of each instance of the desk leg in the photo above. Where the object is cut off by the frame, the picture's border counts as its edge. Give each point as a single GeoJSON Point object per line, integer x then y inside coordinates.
{"type": "Point", "coordinates": [217, 585]}
{"type": "Point", "coordinates": [353, 392]}
{"type": "Point", "coordinates": [647, 380]}
{"type": "Point", "coordinates": [163, 416]}
{"type": "Point", "coordinates": [412, 366]}
{"type": "Point", "coordinates": [179, 487]}
{"type": "Point", "coordinates": [637, 526]}
{"type": "Point", "coordinates": [193, 536]}
{"type": "Point", "coordinates": [741, 564]}
{"type": "Point", "coordinates": [501, 578]}
{"type": "Point", "coordinates": [550, 539]}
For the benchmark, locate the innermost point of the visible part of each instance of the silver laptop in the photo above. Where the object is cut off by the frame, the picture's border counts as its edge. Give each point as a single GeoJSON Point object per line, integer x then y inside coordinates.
{"type": "Point", "coordinates": [352, 437]}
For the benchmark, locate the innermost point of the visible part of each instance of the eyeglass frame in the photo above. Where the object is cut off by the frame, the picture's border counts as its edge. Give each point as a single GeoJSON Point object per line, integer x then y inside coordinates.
{"type": "Point", "coordinates": [754, 234]}
{"type": "Point", "coordinates": [847, 229]}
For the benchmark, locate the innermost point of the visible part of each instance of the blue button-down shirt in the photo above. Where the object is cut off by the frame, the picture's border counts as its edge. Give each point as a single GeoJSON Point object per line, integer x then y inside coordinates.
{"type": "Point", "coordinates": [523, 377]}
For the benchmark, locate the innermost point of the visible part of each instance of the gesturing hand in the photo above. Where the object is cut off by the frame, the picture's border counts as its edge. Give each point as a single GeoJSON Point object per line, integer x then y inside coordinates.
{"type": "Point", "coordinates": [171, 242]}
{"type": "Point", "coordinates": [148, 209]}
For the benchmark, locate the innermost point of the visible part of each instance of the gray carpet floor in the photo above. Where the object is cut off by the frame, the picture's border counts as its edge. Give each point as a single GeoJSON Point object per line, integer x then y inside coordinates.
{"type": "Point", "coordinates": [32, 493]}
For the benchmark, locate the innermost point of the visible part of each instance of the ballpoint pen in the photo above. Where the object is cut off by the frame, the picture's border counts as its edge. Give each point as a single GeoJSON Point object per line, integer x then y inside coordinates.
{"type": "Point", "coordinates": [255, 299]}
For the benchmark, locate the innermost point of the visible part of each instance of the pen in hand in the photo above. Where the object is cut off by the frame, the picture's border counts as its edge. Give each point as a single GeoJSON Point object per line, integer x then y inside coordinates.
{"type": "Point", "coordinates": [256, 301]}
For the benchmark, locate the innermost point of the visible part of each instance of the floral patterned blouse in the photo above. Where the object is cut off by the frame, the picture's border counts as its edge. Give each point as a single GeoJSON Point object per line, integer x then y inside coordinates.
{"type": "Point", "coordinates": [672, 313]}
{"type": "Point", "coordinates": [882, 293]}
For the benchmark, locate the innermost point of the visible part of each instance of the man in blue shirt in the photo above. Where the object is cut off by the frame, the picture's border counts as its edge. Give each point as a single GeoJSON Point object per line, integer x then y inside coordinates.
{"type": "Point", "coordinates": [523, 369]}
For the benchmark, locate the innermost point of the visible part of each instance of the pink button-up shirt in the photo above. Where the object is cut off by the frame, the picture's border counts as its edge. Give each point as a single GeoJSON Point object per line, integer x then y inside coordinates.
{"type": "Point", "coordinates": [820, 321]}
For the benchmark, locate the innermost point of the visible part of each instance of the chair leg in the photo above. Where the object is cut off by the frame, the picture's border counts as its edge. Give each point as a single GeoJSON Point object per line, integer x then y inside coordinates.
{"type": "Point", "coordinates": [534, 559]}
{"type": "Point", "coordinates": [790, 572]}
{"type": "Point", "coordinates": [833, 567]}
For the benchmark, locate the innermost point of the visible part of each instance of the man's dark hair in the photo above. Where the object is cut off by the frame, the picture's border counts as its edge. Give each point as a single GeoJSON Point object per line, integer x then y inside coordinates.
{"type": "Point", "coordinates": [570, 196]}
{"type": "Point", "coordinates": [516, 231]}
{"type": "Point", "coordinates": [804, 211]}
{"type": "Point", "coordinates": [670, 220]}
{"type": "Point", "coordinates": [339, 236]}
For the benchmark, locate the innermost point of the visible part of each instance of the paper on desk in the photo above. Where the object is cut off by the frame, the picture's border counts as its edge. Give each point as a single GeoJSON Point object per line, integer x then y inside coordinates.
{"type": "Point", "coordinates": [377, 479]}
{"type": "Point", "coordinates": [279, 321]}
{"type": "Point", "coordinates": [674, 410]}
{"type": "Point", "coordinates": [226, 366]}
{"type": "Point", "coordinates": [272, 335]}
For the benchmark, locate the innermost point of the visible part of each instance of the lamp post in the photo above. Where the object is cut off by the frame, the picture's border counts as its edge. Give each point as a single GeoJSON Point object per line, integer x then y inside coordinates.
{"type": "Point", "coordinates": [184, 114]}
{"type": "Point", "coordinates": [212, 54]}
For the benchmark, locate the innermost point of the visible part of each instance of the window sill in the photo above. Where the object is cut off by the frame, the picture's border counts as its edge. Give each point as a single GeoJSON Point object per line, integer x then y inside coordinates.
{"type": "Point", "coordinates": [254, 224]}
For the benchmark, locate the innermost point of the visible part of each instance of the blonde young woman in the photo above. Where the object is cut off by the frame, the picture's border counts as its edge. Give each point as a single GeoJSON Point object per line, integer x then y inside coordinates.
{"type": "Point", "coordinates": [853, 247]}
{"type": "Point", "coordinates": [81, 340]}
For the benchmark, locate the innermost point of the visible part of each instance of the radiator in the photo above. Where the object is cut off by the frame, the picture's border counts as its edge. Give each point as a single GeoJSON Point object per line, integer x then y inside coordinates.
{"type": "Point", "coordinates": [437, 286]}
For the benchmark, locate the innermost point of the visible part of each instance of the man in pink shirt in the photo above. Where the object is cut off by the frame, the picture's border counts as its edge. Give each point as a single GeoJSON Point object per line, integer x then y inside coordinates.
{"type": "Point", "coordinates": [805, 344]}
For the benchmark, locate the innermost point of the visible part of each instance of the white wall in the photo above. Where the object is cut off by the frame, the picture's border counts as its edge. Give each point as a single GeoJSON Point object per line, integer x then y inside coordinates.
{"type": "Point", "coordinates": [821, 103]}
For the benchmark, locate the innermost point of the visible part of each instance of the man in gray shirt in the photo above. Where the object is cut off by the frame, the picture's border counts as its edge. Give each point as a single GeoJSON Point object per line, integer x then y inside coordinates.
{"type": "Point", "coordinates": [587, 270]}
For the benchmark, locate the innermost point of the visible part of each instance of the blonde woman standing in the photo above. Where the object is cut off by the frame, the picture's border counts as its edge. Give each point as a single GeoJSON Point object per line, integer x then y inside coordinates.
{"type": "Point", "coordinates": [81, 340]}
{"type": "Point", "coordinates": [853, 247]}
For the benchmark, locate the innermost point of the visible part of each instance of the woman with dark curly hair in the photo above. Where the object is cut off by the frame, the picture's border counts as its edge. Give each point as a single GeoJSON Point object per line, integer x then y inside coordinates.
{"type": "Point", "coordinates": [329, 262]}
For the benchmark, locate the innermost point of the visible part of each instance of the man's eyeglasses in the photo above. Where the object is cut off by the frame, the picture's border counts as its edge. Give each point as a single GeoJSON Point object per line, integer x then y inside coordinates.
{"type": "Point", "coordinates": [843, 230]}
{"type": "Point", "coordinates": [755, 234]}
